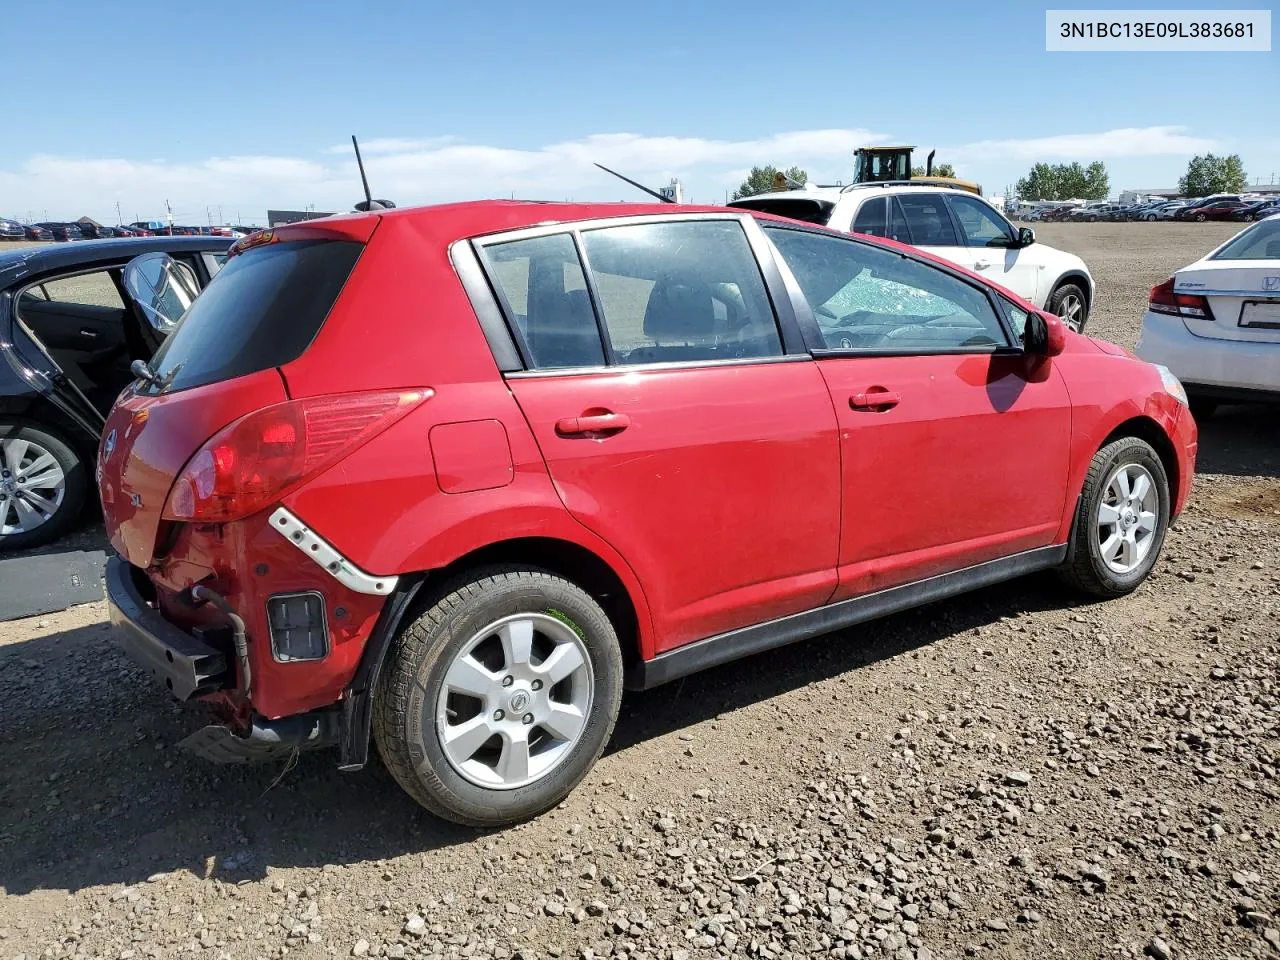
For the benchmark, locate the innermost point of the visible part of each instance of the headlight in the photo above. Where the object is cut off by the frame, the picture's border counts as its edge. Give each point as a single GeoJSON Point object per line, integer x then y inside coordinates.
{"type": "Point", "coordinates": [1172, 385]}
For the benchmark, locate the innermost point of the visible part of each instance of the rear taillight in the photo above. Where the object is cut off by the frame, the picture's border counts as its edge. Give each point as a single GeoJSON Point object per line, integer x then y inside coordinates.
{"type": "Point", "coordinates": [1164, 300]}
{"type": "Point", "coordinates": [254, 461]}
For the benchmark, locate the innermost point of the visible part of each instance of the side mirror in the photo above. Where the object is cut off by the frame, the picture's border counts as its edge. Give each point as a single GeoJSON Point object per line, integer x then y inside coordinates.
{"type": "Point", "coordinates": [1044, 335]}
{"type": "Point", "coordinates": [162, 288]}
{"type": "Point", "coordinates": [1026, 236]}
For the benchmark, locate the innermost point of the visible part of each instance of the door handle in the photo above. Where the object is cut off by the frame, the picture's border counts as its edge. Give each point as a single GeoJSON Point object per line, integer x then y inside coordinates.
{"type": "Point", "coordinates": [982, 264]}
{"type": "Point", "coordinates": [605, 424]}
{"type": "Point", "coordinates": [86, 332]}
{"type": "Point", "coordinates": [875, 400]}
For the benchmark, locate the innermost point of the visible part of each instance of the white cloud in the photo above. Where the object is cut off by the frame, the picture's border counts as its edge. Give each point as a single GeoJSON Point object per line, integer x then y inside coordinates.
{"type": "Point", "coordinates": [1109, 144]}
{"type": "Point", "coordinates": [425, 170]}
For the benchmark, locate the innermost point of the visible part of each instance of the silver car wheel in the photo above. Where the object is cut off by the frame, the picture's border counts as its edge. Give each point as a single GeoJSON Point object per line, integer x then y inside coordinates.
{"type": "Point", "coordinates": [1071, 309]}
{"type": "Point", "coordinates": [515, 701]}
{"type": "Point", "coordinates": [32, 486]}
{"type": "Point", "coordinates": [1128, 518]}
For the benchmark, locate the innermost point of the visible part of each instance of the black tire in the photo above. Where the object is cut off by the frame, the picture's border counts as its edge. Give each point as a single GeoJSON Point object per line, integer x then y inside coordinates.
{"type": "Point", "coordinates": [1200, 218]}
{"type": "Point", "coordinates": [1061, 295]}
{"type": "Point", "coordinates": [404, 724]}
{"type": "Point", "coordinates": [1202, 408]}
{"type": "Point", "coordinates": [1085, 569]}
{"type": "Point", "coordinates": [75, 485]}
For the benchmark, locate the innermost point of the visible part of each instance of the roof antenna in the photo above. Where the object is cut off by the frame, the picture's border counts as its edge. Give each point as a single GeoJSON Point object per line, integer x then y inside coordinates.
{"type": "Point", "coordinates": [638, 186]}
{"type": "Point", "coordinates": [368, 203]}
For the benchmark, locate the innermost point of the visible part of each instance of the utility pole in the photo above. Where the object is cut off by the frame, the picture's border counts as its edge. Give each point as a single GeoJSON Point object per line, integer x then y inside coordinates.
{"type": "Point", "coordinates": [169, 211]}
{"type": "Point", "coordinates": [119, 215]}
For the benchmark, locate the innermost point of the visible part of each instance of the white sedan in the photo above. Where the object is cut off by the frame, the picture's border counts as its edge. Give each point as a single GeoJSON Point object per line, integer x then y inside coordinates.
{"type": "Point", "coordinates": [1216, 322]}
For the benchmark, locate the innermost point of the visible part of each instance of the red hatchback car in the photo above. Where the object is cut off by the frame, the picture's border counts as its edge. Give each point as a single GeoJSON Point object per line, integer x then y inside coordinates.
{"type": "Point", "coordinates": [453, 477]}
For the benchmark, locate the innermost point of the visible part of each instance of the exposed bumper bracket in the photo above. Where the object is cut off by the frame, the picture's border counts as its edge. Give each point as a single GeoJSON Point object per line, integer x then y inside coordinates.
{"type": "Point", "coordinates": [182, 661]}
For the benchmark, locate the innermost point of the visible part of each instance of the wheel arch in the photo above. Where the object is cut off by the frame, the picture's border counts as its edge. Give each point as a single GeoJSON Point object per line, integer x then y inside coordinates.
{"type": "Point", "coordinates": [566, 559]}
{"type": "Point", "coordinates": [1150, 431]}
{"type": "Point", "coordinates": [39, 412]}
{"type": "Point", "coordinates": [1080, 279]}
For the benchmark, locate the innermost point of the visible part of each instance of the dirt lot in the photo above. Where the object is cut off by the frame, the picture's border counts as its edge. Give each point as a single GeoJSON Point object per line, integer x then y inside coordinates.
{"type": "Point", "coordinates": [1010, 774]}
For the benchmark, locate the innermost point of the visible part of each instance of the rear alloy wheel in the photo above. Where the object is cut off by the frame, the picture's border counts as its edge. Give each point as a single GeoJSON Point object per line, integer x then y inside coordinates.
{"type": "Point", "coordinates": [42, 485]}
{"type": "Point", "coordinates": [1069, 304]}
{"type": "Point", "coordinates": [500, 697]}
{"type": "Point", "coordinates": [1121, 519]}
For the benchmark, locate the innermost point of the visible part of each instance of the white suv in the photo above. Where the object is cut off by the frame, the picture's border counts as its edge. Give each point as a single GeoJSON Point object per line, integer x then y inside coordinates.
{"type": "Point", "coordinates": [949, 223]}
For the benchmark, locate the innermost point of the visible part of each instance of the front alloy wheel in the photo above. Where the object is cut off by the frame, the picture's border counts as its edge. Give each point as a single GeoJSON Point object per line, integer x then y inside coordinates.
{"type": "Point", "coordinates": [1068, 304]}
{"type": "Point", "coordinates": [1121, 520]}
{"type": "Point", "coordinates": [1127, 518]}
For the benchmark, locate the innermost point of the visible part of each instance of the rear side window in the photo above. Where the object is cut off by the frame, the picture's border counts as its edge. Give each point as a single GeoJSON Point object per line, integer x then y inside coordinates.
{"type": "Point", "coordinates": [262, 310]}
{"type": "Point", "coordinates": [546, 295]}
{"type": "Point", "coordinates": [870, 219]}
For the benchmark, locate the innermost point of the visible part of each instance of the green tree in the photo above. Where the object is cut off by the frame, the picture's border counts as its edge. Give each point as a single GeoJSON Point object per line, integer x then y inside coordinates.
{"type": "Point", "coordinates": [1207, 174]}
{"type": "Point", "coordinates": [1097, 185]}
{"type": "Point", "coordinates": [1065, 181]}
{"type": "Point", "coordinates": [939, 170]}
{"type": "Point", "coordinates": [761, 180]}
{"type": "Point", "coordinates": [1041, 183]}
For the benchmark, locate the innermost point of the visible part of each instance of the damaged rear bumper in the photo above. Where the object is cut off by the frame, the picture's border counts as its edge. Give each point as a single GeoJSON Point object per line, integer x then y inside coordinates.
{"type": "Point", "coordinates": [186, 663]}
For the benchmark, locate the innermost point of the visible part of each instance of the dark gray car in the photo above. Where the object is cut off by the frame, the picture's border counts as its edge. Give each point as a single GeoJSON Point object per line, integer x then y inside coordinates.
{"type": "Point", "coordinates": [69, 331]}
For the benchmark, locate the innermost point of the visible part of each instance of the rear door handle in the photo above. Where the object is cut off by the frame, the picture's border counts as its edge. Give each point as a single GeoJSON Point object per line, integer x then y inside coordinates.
{"type": "Point", "coordinates": [875, 400]}
{"type": "Point", "coordinates": [596, 424]}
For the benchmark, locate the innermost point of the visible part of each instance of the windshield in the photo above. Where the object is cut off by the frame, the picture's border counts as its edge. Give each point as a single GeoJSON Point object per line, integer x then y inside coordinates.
{"type": "Point", "coordinates": [1259, 242]}
{"type": "Point", "coordinates": [262, 310]}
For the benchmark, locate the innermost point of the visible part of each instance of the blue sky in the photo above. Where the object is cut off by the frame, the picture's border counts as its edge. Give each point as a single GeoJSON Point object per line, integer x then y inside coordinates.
{"type": "Point", "coordinates": [244, 105]}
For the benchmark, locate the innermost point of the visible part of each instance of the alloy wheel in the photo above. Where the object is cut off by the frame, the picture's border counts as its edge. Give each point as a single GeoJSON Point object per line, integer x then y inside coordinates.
{"type": "Point", "coordinates": [1128, 518]}
{"type": "Point", "coordinates": [1070, 310]}
{"type": "Point", "coordinates": [514, 701]}
{"type": "Point", "coordinates": [32, 486]}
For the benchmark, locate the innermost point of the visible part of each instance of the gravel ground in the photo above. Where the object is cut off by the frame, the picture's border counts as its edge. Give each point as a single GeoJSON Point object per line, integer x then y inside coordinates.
{"type": "Point", "coordinates": [1008, 774]}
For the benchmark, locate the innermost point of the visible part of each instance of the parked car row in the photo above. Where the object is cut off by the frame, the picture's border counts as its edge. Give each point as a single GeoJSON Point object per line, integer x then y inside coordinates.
{"type": "Point", "coordinates": [63, 231]}
{"type": "Point", "coordinates": [1218, 207]}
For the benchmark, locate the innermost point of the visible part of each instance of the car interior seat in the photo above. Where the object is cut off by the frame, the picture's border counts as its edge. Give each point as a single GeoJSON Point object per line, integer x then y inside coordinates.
{"type": "Point", "coordinates": [561, 330]}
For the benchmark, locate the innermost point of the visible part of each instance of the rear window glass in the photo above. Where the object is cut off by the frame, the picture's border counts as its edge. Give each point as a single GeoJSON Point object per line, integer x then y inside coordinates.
{"type": "Point", "coordinates": [1259, 242]}
{"type": "Point", "coordinates": [262, 310]}
{"type": "Point", "coordinates": [810, 211]}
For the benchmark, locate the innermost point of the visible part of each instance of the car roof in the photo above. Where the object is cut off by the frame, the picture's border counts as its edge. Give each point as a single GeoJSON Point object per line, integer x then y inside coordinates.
{"type": "Point", "coordinates": [27, 260]}
{"type": "Point", "coordinates": [450, 222]}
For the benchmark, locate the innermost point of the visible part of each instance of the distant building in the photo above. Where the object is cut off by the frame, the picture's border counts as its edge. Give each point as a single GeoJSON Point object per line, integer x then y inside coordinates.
{"type": "Point", "coordinates": [278, 218]}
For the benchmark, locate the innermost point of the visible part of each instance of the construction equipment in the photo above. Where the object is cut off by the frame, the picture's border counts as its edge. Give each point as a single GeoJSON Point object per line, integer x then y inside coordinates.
{"type": "Point", "coordinates": [893, 165]}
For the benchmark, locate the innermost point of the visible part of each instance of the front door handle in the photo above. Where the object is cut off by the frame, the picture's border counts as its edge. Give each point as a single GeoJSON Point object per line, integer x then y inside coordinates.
{"type": "Point", "coordinates": [876, 399]}
{"type": "Point", "coordinates": [982, 265]}
{"type": "Point", "coordinates": [593, 425]}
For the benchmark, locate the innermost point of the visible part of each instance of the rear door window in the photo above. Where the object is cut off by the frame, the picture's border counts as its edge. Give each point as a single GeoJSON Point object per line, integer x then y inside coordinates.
{"type": "Point", "coordinates": [262, 310]}
{"type": "Point", "coordinates": [686, 291]}
{"type": "Point", "coordinates": [927, 220]}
